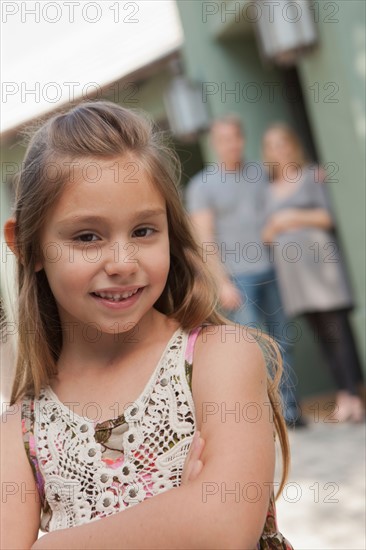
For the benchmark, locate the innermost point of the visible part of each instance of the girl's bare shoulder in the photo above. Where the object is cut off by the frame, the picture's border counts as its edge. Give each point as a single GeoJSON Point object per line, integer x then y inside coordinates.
{"type": "Point", "coordinates": [228, 365]}
{"type": "Point", "coordinates": [228, 347]}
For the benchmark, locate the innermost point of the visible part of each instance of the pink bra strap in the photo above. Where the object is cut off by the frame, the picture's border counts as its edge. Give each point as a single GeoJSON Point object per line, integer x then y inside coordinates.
{"type": "Point", "coordinates": [190, 344]}
{"type": "Point", "coordinates": [28, 418]}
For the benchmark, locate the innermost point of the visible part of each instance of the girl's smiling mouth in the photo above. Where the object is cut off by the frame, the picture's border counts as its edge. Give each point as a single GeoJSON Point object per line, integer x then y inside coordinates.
{"type": "Point", "coordinates": [117, 298]}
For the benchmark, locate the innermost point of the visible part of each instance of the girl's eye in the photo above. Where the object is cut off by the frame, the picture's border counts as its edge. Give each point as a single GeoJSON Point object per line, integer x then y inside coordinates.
{"type": "Point", "coordinates": [144, 229]}
{"type": "Point", "coordinates": [86, 237]}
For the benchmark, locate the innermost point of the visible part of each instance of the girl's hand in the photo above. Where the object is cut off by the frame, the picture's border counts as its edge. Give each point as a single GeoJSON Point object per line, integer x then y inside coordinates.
{"type": "Point", "coordinates": [193, 465]}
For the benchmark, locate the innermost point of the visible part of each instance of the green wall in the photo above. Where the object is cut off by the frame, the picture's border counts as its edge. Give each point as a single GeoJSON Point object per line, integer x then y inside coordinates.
{"type": "Point", "coordinates": [337, 113]}
{"type": "Point", "coordinates": [231, 63]}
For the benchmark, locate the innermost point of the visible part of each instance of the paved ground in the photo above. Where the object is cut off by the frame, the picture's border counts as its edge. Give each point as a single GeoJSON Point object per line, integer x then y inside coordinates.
{"type": "Point", "coordinates": [323, 506]}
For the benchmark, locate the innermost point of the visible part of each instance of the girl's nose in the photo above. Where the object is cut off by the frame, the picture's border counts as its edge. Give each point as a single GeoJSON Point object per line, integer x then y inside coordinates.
{"type": "Point", "coordinates": [122, 259]}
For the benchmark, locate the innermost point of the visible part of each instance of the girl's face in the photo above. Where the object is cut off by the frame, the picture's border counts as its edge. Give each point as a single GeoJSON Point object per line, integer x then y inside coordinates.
{"type": "Point", "coordinates": [277, 147]}
{"type": "Point", "coordinates": [105, 238]}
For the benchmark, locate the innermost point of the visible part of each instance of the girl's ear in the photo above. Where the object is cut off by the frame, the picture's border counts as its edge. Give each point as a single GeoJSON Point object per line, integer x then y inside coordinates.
{"type": "Point", "coordinates": [9, 233]}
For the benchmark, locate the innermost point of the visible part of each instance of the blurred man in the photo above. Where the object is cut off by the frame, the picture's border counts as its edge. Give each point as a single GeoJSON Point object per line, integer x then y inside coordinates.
{"type": "Point", "coordinates": [224, 201]}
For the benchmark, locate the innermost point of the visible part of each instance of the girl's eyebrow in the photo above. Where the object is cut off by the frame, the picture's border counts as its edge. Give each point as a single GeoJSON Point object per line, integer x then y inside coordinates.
{"type": "Point", "coordinates": [150, 212]}
{"type": "Point", "coordinates": [95, 219]}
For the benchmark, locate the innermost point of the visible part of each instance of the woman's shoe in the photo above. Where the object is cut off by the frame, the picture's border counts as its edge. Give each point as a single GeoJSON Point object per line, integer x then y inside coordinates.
{"type": "Point", "coordinates": [349, 408]}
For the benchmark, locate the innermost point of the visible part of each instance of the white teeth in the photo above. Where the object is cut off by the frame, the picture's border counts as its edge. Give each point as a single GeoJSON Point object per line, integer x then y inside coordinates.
{"type": "Point", "coordinates": [116, 297]}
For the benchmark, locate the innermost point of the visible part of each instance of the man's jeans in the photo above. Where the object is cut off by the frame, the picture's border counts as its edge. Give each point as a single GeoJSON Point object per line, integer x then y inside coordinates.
{"type": "Point", "coordinates": [261, 309]}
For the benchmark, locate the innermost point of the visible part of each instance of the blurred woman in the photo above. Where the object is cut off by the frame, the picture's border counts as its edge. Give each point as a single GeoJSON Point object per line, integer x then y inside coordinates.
{"type": "Point", "coordinates": [312, 279]}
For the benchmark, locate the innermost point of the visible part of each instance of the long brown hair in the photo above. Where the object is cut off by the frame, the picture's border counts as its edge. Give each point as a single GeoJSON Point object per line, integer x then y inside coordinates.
{"type": "Point", "coordinates": [103, 130]}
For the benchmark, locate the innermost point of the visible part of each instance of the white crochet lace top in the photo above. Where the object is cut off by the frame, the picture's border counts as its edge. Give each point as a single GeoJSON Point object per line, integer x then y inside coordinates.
{"type": "Point", "coordinates": [86, 471]}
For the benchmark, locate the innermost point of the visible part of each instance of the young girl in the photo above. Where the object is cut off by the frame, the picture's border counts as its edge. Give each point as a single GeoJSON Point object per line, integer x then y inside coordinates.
{"type": "Point", "coordinates": [115, 307]}
{"type": "Point", "coordinates": [315, 285]}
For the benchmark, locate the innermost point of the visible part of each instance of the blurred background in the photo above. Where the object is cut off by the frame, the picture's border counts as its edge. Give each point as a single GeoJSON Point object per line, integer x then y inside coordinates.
{"type": "Point", "coordinates": [186, 63]}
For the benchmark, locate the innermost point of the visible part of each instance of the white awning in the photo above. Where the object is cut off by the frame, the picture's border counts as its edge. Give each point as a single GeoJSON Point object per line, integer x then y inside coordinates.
{"type": "Point", "coordinates": [54, 52]}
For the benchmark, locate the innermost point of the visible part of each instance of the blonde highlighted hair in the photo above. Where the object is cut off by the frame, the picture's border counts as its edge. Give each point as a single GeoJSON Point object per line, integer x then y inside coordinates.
{"type": "Point", "coordinates": [104, 130]}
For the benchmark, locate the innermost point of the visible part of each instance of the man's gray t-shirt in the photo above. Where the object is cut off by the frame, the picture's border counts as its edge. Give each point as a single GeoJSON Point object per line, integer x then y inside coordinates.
{"type": "Point", "coordinates": [236, 200]}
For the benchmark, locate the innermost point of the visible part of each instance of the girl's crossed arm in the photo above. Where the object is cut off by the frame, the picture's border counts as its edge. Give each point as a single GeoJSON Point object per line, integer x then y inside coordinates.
{"type": "Point", "coordinates": [20, 502]}
{"type": "Point", "coordinates": [226, 505]}
{"type": "Point", "coordinates": [218, 509]}
{"type": "Point", "coordinates": [20, 498]}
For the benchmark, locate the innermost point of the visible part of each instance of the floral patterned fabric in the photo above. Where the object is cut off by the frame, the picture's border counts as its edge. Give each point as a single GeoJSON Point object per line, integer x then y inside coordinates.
{"type": "Point", "coordinates": [109, 435]}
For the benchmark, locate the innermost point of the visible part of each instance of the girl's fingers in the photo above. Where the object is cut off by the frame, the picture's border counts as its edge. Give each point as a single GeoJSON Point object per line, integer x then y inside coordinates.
{"type": "Point", "coordinates": [189, 459]}
{"type": "Point", "coordinates": [196, 470]}
{"type": "Point", "coordinates": [193, 465]}
{"type": "Point", "coordinates": [198, 448]}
